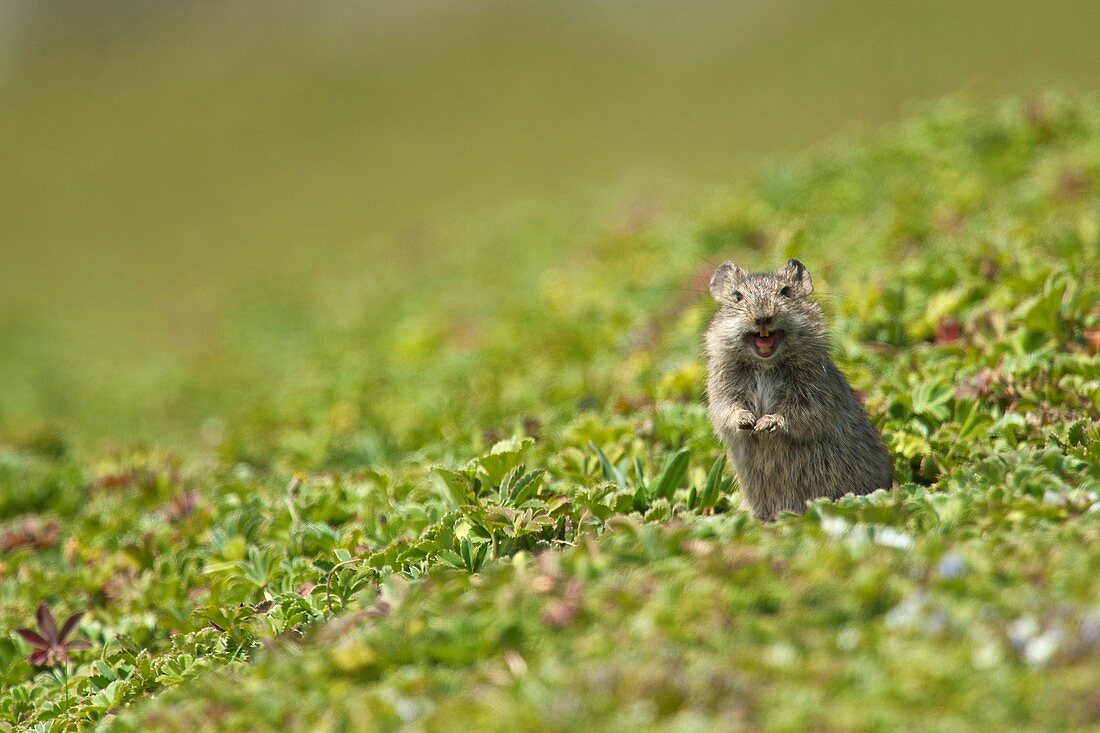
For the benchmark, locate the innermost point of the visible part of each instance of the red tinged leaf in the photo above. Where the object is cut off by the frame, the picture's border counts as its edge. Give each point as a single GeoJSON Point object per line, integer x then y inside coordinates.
{"type": "Point", "coordinates": [51, 649]}
{"type": "Point", "coordinates": [46, 622]}
{"type": "Point", "coordinates": [948, 330]}
{"type": "Point", "coordinates": [465, 334]}
{"type": "Point", "coordinates": [1038, 115]}
{"type": "Point", "coordinates": [379, 610]}
{"type": "Point", "coordinates": [31, 531]}
{"type": "Point", "coordinates": [69, 625]}
{"type": "Point", "coordinates": [1092, 340]}
{"type": "Point", "coordinates": [977, 386]}
{"type": "Point", "coordinates": [32, 638]}
{"type": "Point", "coordinates": [1072, 185]}
{"type": "Point", "coordinates": [533, 427]}
{"type": "Point", "coordinates": [562, 612]}
{"type": "Point", "coordinates": [123, 480]}
{"type": "Point", "coordinates": [183, 505]}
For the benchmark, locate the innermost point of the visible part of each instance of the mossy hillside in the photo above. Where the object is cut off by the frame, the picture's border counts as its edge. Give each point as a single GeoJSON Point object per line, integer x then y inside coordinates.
{"type": "Point", "coordinates": [511, 512]}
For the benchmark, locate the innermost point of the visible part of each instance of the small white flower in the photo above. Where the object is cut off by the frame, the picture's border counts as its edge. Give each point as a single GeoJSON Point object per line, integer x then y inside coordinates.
{"type": "Point", "coordinates": [951, 566]}
{"type": "Point", "coordinates": [1040, 649]}
{"type": "Point", "coordinates": [834, 526]}
{"type": "Point", "coordinates": [782, 655]}
{"type": "Point", "coordinates": [906, 613]}
{"type": "Point", "coordinates": [986, 656]}
{"type": "Point", "coordinates": [848, 638]}
{"type": "Point", "coordinates": [1022, 631]}
{"type": "Point", "coordinates": [892, 538]}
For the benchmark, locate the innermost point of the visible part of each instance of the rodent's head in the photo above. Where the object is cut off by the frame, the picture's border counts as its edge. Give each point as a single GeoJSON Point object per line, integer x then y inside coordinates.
{"type": "Point", "coordinates": [764, 316]}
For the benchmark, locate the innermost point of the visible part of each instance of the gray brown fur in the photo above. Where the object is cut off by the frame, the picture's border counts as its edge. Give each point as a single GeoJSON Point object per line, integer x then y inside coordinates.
{"type": "Point", "coordinates": [794, 428]}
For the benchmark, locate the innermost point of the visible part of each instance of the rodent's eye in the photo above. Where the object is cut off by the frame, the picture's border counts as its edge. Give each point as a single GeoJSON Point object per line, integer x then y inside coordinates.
{"type": "Point", "coordinates": [737, 296]}
{"type": "Point", "coordinates": [785, 291]}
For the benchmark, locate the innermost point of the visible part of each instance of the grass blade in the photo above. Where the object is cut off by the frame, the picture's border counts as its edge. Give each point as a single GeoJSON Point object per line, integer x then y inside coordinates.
{"type": "Point", "coordinates": [672, 475]}
{"type": "Point", "coordinates": [610, 471]}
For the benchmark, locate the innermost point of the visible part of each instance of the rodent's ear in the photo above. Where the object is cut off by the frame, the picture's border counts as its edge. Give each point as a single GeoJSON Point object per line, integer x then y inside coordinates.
{"type": "Point", "coordinates": [797, 274]}
{"type": "Point", "coordinates": [724, 279]}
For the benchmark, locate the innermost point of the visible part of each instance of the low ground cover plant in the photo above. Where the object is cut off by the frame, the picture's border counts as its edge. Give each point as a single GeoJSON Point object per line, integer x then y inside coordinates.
{"type": "Point", "coordinates": [504, 509]}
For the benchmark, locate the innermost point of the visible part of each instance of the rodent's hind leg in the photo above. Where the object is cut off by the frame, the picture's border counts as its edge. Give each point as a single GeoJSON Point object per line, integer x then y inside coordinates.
{"type": "Point", "coordinates": [762, 514]}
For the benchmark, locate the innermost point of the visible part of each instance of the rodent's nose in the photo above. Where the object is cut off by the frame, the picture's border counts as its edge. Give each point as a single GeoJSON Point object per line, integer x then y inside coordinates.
{"type": "Point", "coordinates": [763, 321]}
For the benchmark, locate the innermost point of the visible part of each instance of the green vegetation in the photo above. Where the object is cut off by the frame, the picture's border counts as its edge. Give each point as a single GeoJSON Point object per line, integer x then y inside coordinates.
{"type": "Point", "coordinates": [499, 505]}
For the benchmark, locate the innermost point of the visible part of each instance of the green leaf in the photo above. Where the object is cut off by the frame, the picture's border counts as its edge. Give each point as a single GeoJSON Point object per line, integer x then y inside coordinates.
{"type": "Point", "coordinates": [610, 472]}
{"type": "Point", "coordinates": [525, 486]}
{"type": "Point", "coordinates": [1041, 312]}
{"type": "Point", "coordinates": [639, 472]}
{"type": "Point", "coordinates": [460, 488]}
{"type": "Point", "coordinates": [503, 457]}
{"type": "Point", "coordinates": [714, 484]}
{"type": "Point", "coordinates": [973, 420]}
{"type": "Point", "coordinates": [472, 555]}
{"type": "Point", "coordinates": [672, 475]}
{"type": "Point", "coordinates": [451, 559]}
{"type": "Point", "coordinates": [930, 398]}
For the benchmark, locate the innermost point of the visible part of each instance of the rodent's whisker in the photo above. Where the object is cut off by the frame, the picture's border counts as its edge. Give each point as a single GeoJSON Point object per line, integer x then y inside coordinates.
{"type": "Point", "coordinates": [707, 260]}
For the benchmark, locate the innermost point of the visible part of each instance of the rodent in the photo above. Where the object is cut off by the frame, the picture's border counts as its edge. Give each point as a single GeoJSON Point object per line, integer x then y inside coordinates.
{"type": "Point", "coordinates": [794, 428]}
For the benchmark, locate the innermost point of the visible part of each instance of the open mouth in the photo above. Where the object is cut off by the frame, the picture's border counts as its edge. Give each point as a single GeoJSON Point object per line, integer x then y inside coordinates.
{"type": "Point", "coordinates": [764, 342]}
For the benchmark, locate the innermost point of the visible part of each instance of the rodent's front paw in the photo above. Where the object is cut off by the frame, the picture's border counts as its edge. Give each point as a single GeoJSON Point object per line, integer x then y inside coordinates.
{"type": "Point", "coordinates": [744, 420]}
{"type": "Point", "coordinates": [769, 424]}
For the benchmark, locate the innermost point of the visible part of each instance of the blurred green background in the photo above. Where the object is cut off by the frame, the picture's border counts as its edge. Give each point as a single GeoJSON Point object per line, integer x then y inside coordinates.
{"type": "Point", "coordinates": [170, 170]}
